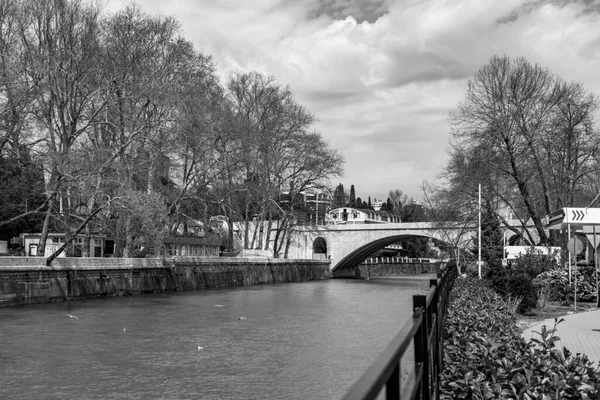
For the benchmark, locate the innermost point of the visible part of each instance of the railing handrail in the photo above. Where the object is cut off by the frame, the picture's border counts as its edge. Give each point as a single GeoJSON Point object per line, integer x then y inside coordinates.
{"type": "Point", "coordinates": [425, 327]}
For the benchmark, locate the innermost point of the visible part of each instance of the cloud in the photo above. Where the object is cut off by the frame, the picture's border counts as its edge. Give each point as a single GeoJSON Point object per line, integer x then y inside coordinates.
{"type": "Point", "coordinates": [381, 75]}
{"type": "Point", "coordinates": [360, 10]}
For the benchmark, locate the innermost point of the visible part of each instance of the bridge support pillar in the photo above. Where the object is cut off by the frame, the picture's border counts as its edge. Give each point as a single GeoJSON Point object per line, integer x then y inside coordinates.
{"type": "Point", "coordinates": [344, 273]}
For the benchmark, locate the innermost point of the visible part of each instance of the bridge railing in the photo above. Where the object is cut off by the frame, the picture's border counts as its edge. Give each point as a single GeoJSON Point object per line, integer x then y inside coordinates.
{"type": "Point", "coordinates": [425, 331]}
{"type": "Point", "coordinates": [397, 260]}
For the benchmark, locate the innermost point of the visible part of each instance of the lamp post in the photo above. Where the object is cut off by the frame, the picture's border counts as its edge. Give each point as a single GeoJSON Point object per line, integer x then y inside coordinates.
{"type": "Point", "coordinates": [479, 235]}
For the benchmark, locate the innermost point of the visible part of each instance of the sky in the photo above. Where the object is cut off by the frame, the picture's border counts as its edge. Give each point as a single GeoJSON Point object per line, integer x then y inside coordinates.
{"type": "Point", "coordinates": [381, 76]}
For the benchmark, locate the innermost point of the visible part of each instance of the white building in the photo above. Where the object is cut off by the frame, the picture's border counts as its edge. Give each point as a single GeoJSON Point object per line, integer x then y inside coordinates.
{"type": "Point", "coordinates": [349, 215]}
{"type": "Point", "coordinates": [30, 243]}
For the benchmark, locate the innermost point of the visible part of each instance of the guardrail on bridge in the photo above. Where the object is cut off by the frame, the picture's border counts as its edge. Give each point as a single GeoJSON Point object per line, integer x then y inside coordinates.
{"type": "Point", "coordinates": [425, 330]}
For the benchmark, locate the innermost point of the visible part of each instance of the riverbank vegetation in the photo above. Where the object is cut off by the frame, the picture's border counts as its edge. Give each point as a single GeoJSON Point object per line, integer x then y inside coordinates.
{"type": "Point", "coordinates": [115, 123]}
{"type": "Point", "coordinates": [485, 356]}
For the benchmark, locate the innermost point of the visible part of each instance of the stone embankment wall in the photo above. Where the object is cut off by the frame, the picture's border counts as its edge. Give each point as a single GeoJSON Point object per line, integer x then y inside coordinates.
{"type": "Point", "coordinates": [374, 269]}
{"type": "Point", "coordinates": [26, 280]}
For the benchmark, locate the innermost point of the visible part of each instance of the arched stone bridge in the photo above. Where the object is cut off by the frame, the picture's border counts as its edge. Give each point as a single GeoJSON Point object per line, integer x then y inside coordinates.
{"type": "Point", "coordinates": [348, 245]}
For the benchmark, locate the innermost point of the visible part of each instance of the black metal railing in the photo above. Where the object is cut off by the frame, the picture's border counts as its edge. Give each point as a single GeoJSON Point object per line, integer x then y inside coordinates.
{"type": "Point", "coordinates": [425, 331]}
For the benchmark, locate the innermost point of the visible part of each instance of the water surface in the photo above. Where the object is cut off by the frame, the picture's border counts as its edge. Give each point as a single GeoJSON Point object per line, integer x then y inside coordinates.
{"type": "Point", "coordinates": [308, 340]}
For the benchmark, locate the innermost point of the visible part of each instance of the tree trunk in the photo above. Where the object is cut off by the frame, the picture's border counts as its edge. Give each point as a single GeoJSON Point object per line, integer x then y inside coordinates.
{"type": "Point", "coordinates": [247, 224]}
{"type": "Point", "coordinates": [127, 248]}
{"type": "Point", "coordinates": [269, 227]}
{"type": "Point", "coordinates": [522, 185]}
{"type": "Point", "coordinates": [288, 242]}
{"type": "Point", "coordinates": [259, 231]}
{"type": "Point", "coordinates": [85, 251]}
{"type": "Point", "coordinates": [276, 240]}
{"type": "Point", "coordinates": [45, 228]}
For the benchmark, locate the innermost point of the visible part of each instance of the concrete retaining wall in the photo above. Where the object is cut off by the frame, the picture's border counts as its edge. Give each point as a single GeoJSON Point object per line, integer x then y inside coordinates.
{"type": "Point", "coordinates": [26, 280]}
{"type": "Point", "coordinates": [398, 269]}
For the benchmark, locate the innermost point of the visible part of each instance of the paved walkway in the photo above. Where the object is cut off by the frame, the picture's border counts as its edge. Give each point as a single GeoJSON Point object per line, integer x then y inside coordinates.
{"type": "Point", "coordinates": [580, 333]}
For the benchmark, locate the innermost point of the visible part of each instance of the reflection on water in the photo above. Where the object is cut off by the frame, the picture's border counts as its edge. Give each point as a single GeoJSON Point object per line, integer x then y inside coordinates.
{"type": "Point", "coordinates": [290, 341]}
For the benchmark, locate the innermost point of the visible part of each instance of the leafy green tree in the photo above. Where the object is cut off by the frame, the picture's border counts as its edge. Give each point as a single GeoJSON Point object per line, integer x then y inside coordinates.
{"type": "Point", "coordinates": [339, 196]}
{"type": "Point", "coordinates": [352, 201]}
{"type": "Point", "coordinates": [416, 247]}
{"type": "Point", "coordinates": [492, 245]}
{"type": "Point", "coordinates": [413, 212]}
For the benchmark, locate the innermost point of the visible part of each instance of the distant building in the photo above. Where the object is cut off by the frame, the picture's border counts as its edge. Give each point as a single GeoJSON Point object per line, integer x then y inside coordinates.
{"type": "Point", "coordinates": [192, 240]}
{"type": "Point", "coordinates": [349, 215]}
{"type": "Point", "coordinates": [30, 243]}
{"type": "Point", "coordinates": [315, 201]}
{"type": "Point", "coordinates": [376, 204]}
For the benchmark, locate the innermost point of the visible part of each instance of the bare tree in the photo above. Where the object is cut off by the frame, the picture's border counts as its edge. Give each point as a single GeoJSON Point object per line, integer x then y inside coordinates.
{"type": "Point", "coordinates": [62, 52]}
{"type": "Point", "coordinates": [532, 130]}
{"type": "Point", "coordinates": [279, 153]}
{"type": "Point", "coordinates": [454, 216]}
{"type": "Point", "coordinates": [398, 199]}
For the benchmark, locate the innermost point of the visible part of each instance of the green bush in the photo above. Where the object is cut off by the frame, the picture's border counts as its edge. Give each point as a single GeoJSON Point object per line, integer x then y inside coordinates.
{"type": "Point", "coordinates": [499, 278]}
{"type": "Point", "coordinates": [521, 285]}
{"type": "Point", "coordinates": [556, 283]}
{"type": "Point", "coordinates": [517, 280]}
{"type": "Point", "coordinates": [485, 356]}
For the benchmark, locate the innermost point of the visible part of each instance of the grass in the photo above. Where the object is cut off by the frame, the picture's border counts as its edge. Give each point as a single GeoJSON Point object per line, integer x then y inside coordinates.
{"type": "Point", "coordinates": [552, 309]}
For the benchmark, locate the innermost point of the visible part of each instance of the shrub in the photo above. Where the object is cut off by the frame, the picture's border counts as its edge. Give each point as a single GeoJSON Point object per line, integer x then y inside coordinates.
{"type": "Point", "coordinates": [534, 264]}
{"type": "Point", "coordinates": [517, 279]}
{"type": "Point", "coordinates": [556, 283]}
{"type": "Point", "coordinates": [485, 356]}
{"type": "Point", "coordinates": [499, 278]}
{"type": "Point", "coordinates": [521, 285]}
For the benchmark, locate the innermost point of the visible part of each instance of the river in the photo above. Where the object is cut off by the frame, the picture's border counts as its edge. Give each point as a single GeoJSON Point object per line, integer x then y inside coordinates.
{"type": "Point", "coordinates": [308, 340]}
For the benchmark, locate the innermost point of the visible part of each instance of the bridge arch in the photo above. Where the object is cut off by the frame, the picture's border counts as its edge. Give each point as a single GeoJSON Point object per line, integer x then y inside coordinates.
{"type": "Point", "coordinates": [319, 247]}
{"type": "Point", "coordinates": [348, 264]}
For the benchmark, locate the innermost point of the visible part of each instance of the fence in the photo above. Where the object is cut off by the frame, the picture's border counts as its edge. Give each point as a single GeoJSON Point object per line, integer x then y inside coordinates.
{"type": "Point", "coordinates": [425, 330]}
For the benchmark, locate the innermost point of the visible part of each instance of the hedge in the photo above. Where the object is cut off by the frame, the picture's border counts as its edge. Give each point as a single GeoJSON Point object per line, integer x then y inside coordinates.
{"type": "Point", "coordinates": [485, 356]}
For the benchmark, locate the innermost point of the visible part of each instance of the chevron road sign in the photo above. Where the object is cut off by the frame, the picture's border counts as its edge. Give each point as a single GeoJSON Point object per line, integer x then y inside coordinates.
{"type": "Point", "coordinates": [572, 216]}
{"type": "Point", "coordinates": [578, 215]}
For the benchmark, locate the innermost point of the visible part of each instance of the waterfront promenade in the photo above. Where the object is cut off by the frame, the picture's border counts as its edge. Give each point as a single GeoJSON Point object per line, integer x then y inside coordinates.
{"type": "Point", "coordinates": [580, 333]}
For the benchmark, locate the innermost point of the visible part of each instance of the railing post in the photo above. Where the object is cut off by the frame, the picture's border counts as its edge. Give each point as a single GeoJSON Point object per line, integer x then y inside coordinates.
{"type": "Point", "coordinates": [438, 345]}
{"type": "Point", "coordinates": [392, 386]}
{"type": "Point", "coordinates": [421, 344]}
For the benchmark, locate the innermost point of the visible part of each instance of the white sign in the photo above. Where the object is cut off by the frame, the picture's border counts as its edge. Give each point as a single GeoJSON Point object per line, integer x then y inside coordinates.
{"type": "Point", "coordinates": [513, 252]}
{"type": "Point", "coordinates": [575, 217]}
{"type": "Point", "coordinates": [583, 216]}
